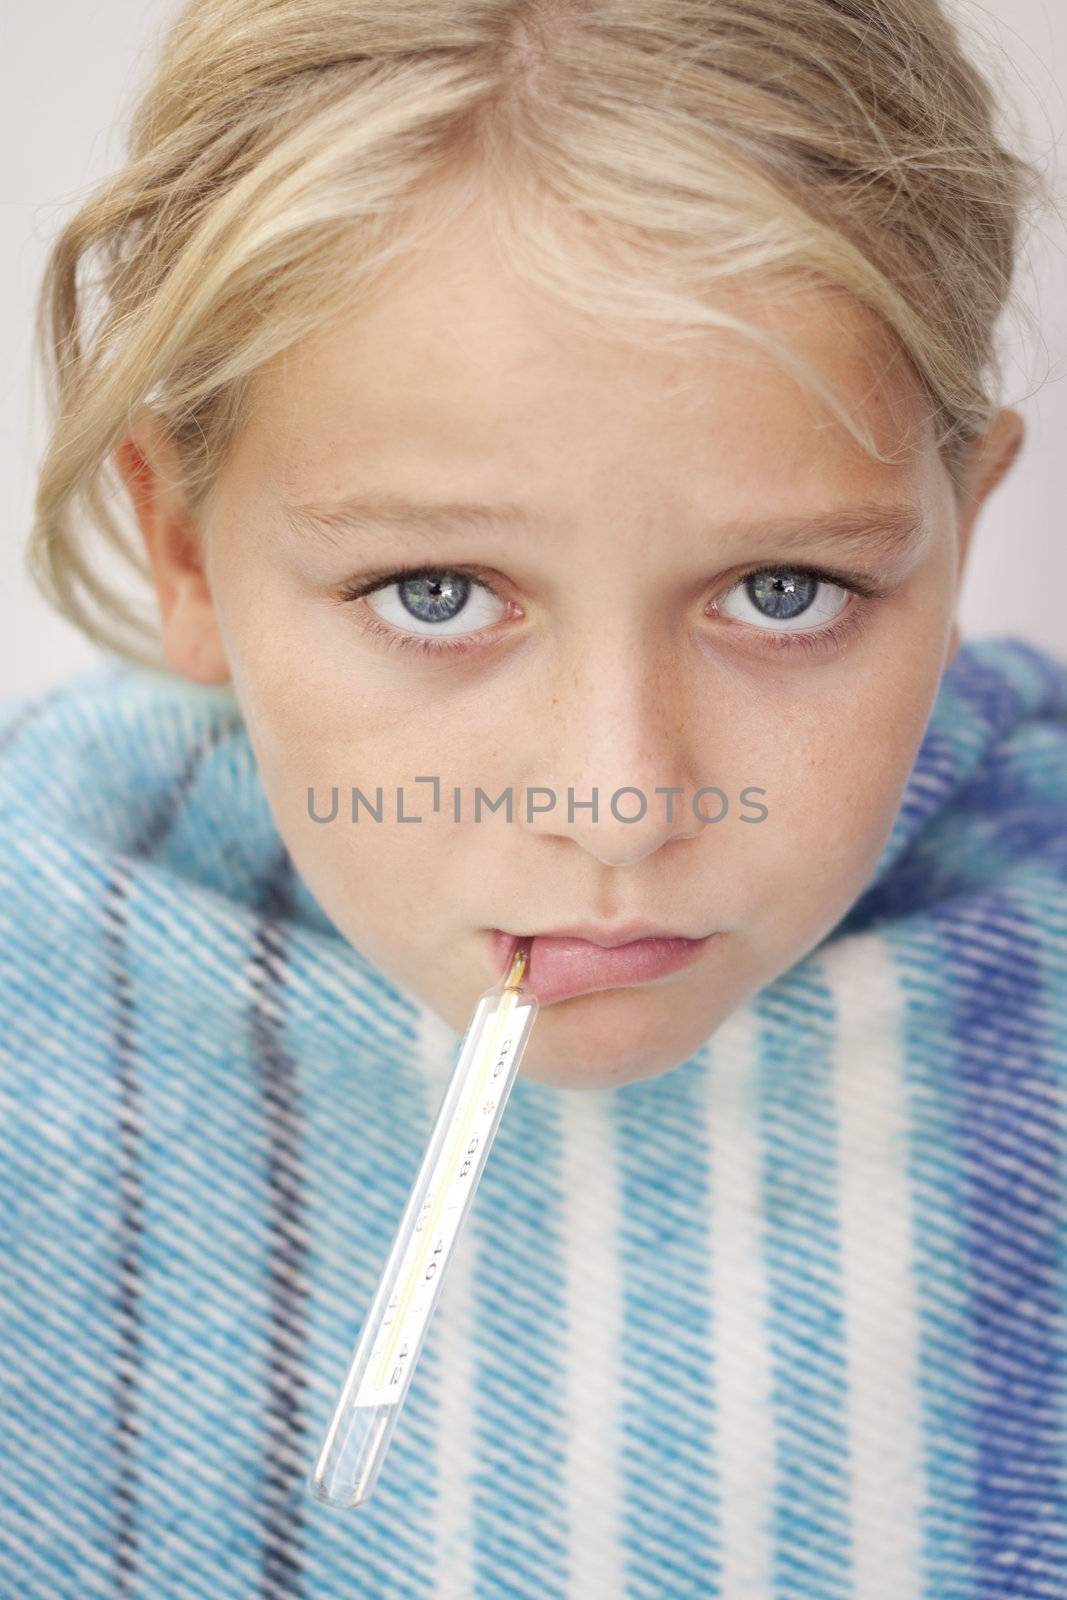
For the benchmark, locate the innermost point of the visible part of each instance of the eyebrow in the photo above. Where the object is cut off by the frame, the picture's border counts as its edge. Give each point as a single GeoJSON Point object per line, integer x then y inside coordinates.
{"type": "Point", "coordinates": [870, 528]}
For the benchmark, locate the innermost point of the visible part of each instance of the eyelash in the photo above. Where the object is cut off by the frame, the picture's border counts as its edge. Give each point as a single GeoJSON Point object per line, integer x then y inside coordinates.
{"type": "Point", "coordinates": [813, 639]}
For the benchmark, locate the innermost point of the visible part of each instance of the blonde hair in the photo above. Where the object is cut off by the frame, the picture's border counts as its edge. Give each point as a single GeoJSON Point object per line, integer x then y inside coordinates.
{"type": "Point", "coordinates": [634, 154]}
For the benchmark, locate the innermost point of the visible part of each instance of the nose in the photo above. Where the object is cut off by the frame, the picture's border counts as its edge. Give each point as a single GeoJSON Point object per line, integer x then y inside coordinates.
{"type": "Point", "coordinates": [616, 728]}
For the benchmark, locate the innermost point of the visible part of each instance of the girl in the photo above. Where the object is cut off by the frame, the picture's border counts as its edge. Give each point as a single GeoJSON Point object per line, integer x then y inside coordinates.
{"type": "Point", "coordinates": [587, 407]}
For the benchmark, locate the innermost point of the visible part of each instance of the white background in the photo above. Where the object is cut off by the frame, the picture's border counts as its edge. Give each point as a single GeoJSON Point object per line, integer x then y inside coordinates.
{"type": "Point", "coordinates": [69, 73]}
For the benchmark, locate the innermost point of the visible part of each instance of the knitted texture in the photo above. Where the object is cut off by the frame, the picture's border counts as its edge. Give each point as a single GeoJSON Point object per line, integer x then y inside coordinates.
{"type": "Point", "coordinates": [786, 1321]}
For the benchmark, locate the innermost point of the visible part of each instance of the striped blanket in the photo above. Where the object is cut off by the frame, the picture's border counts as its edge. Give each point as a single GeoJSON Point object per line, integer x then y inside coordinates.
{"type": "Point", "coordinates": [787, 1321]}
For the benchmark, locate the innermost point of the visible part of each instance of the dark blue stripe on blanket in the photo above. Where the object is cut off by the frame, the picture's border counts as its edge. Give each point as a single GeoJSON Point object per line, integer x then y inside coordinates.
{"type": "Point", "coordinates": [1011, 1180]}
{"type": "Point", "coordinates": [283, 1514]}
{"type": "Point", "coordinates": [130, 1224]}
{"type": "Point", "coordinates": [130, 1230]}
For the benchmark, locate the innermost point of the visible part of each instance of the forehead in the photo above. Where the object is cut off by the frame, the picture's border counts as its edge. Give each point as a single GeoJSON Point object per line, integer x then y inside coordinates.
{"type": "Point", "coordinates": [457, 367]}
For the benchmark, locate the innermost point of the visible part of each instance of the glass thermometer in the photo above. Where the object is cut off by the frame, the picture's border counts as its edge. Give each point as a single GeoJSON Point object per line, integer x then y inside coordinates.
{"type": "Point", "coordinates": [384, 1359]}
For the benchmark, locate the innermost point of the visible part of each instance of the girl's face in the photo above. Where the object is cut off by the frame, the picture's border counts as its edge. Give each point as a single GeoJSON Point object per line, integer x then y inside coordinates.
{"type": "Point", "coordinates": [594, 633]}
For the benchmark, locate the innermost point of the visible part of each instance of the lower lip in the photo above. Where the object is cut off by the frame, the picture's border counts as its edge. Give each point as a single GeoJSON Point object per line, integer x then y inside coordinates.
{"type": "Point", "coordinates": [562, 967]}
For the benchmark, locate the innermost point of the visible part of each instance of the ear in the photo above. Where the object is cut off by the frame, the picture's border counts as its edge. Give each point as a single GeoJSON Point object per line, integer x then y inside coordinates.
{"type": "Point", "coordinates": [990, 459]}
{"type": "Point", "coordinates": [192, 644]}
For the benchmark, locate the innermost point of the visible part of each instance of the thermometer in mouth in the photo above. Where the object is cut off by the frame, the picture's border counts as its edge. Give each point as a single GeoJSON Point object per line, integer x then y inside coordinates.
{"type": "Point", "coordinates": [384, 1358]}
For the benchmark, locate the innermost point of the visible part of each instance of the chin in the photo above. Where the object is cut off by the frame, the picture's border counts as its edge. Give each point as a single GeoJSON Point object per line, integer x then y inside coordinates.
{"type": "Point", "coordinates": [605, 1039]}
{"type": "Point", "coordinates": [593, 1075]}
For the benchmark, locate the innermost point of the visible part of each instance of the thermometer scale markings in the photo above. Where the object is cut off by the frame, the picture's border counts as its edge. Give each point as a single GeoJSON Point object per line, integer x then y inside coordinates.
{"type": "Point", "coordinates": [413, 1268]}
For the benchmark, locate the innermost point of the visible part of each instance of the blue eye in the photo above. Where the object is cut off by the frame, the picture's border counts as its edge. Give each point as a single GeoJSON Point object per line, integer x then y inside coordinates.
{"type": "Point", "coordinates": [428, 608]}
{"type": "Point", "coordinates": [785, 595]}
{"type": "Point", "coordinates": [434, 596]}
{"type": "Point", "coordinates": [782, 598]}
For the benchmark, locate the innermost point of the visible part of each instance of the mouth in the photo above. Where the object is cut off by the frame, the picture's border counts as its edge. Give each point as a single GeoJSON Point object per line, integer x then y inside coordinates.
{"type": "Point", "coordinates": [562, 965]}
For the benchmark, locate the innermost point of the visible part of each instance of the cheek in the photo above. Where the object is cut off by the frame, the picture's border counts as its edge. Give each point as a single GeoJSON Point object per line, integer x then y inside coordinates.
{"type": "Point", "coordinates": [385, 885]}
{"type": "Point", "coordinates": [370, 875]}
{"type": "Point", "coordinates": [836, 793]}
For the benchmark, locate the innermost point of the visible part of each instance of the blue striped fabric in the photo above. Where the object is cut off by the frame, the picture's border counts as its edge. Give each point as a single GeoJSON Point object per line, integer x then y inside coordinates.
{"type": "Point", "coordinates": [788, 1321]}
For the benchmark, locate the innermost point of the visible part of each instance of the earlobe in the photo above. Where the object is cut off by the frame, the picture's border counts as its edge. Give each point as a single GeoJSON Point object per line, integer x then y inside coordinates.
{"type": "Point", "coordinates": [996, 454]}
{"type": "Point", "coordinates": [191, 640]}
{"type": "Point", "coordinates": [190, 637]}
{"type": "Point", "coordinates": [992, 460]}
{"type": "Point", "coordinates": [953, 647]}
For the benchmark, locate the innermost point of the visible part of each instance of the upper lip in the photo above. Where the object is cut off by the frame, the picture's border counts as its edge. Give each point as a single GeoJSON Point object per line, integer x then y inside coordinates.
{"type": "Point", "coordinates": [609, 937]}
